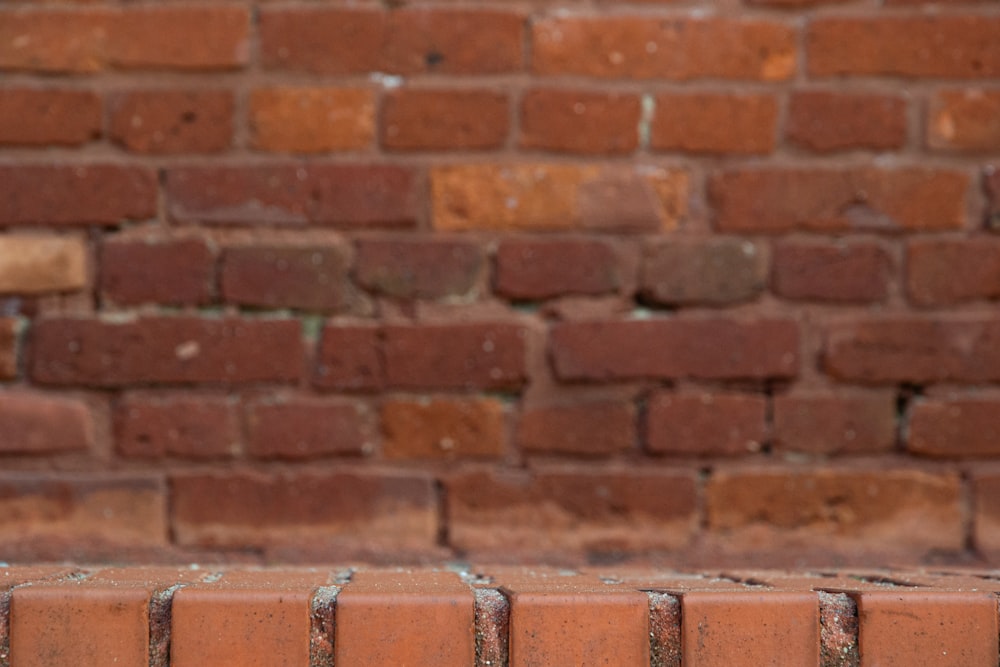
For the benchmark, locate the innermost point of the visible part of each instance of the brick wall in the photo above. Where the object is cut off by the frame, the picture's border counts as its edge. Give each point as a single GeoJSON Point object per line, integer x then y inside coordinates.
{"type": "Point", "coordinates": [684, 281]}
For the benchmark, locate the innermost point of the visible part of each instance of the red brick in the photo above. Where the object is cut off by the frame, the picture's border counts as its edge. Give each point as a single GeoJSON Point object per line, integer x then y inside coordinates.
{"type": "Point", "coordinates": [714, 123]}
{"type": "Point", "coordinates": [965, 120]}
{"type": "Point", "coordinates": [635, 47]}
{"type": "Point", "coordinates": [714, 271]}
{"type": "Point", "coordinates": [986, 505]}
{"type": "Point", "coordinates": [158, 270]}
{"type": "Point", "coordinates": [486, 355]}
{"type": "Point", "coordinates": [668, 348]}
{"type": "Point", "coordinates": [54, 40]}
{"type": "Point", "coordinates": [76, 195]}
{"type": "Point", "coordinates": [297, 429]}
{"type": "Point", "coordinates": [254, 509]}
{"type": "Point", "coordinates": [941, 272]}
{"type": "Point", "coordinates": [349, 357]}
{"type": "Point", "coordinates": [570, 509]}
{"type": "Point", "coordinates": [954, 46]}
{"type": "Point", "coordinates": [312, 120]}
{"type": "Point", "coordinates": [172, 121]}
{"type": "Point", "coordinates": [914, 349]}
{"type": "Point", "coordinates": [34, 423]}
{"type": "Point", "coordinates": [528, 268]}
{"type": "Point", "coordinates": [312, 277]}
{"type": "Point", "coordinates": [835, 423]}
{"type": "Point", "coordinates": [825, 121]}
{"type": "Point", "coordinates": [323, 40]}
{"type": "Point", "coordinates": [851, 272]}
{"type": "Point", "coordinates": [286, 194]}
{"type": "Point", "coordinates": [580, 121]}
{"type": "Point", "coordinates": [165, 350]}
{"type": "Point", "coordinates": [587, 428]}
{"type": "Point", "coordinates": [847, 509]}
{"type": "Point", "coordinates": [443, 428]}
{"type": "Point", "coordinates": [420, 119]}
{"type": "Point", "coordinates": [954, 427]}
{"type": "Point", "coordinates": [991, 181]}
{"type": "Point", "coordinates": [9, 334]}
{"type": "Point", "coordinates": [47, 116]}
{"type": "Point", "coordinates": [35, 264]}
{"type": "Point", "coordinates": [419, 268]}
{"type": "Point", "coordinates": [185, 38]}
{"type": "Point", "coordinates": [828, 200]}
{"type": "Point", "coordinates": [156, 426]}
{"type": "Point", "coordinates": [706, 424]}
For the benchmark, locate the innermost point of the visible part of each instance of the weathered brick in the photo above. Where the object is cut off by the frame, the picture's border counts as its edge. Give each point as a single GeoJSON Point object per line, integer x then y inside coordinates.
{"type": "Point", "coordinates": [946, 46]}
{"type": "Point", "coordinates": [955, 427]}
{"type": "Point", "coordinates": [641, 48]}
{"type": "Point", "coordinates": [713, 348]}
{"type": "Point", "coordinates": [172, 121]}
{"type": "Point", "coordinates": [39, 424]}
{"type": "Point", "coordinates": [156, 426]}
{"type": "Point", "coordinates": [714, 271]}
{"type": "Point", "coordinates": [312, 120]}
{"type": "Point", "coordinates": [158, 270]}
{"type": "Point", "coordinates": [965, 120]}
{"type": "Point", "coordinates": [164, 350]}
{"type": "Point", "coordinates": [9, 334]}
{"type": "Point", "coordinates": [706, 424]}
{"type": "Point", "coordinates": [312, 277]}
{"type": "Point", "coordinates": [914, 349]}
{"type": "Point", "coordinates": [304, 428]}
{"type": "Point", "coordinates": [587, 428]}
{"type": "Point", "coordinates": [418, 268]}
{"type": "Point", "coordinates": [830, 200]}
{"type": "Point", "coordinates": [557, 197]}
{"type": "Point", "coordinates": [48, 116]}
{"type": "Point", "coordinates": [76, 195]}
{"type": "Point", "coordinates": [187, 38]}
{"type": "Point", "coordinates": [286, 194]}
{"type": "Point", "coordinates": [580, 121]}
{"type": "Point", "coordinates": [529, 268]}
{"type": "Point", "coordinates": [835, 423]}
{"type": "Point", "coordinates": [941, 272]}
{"type": "Point", "coordinates": [443, 428]}
{"type": "Point", "coordinates": [349, 357]}
{"type": "Point", "coordinates": [32, 264]}
{"type": "Point", "coordinates": [825, 121]}
{"type": "Point", "coordinates": [423, 119]}
{"type": "Point", "coordinates": [855, 272]}
{"type": "Point", "coordinates": [714, 123]}
{"type": "Point", "coordinates": [986, 504]}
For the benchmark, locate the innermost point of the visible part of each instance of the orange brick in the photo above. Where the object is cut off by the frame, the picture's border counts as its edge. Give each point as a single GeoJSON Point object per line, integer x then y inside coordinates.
{"type": "Point", "coordinates": [185, 38]}
{"type": "Point", "coordinates": [45, 116]}
{"type": "Point", "coordinates": [443, 428]}
{"type": "Point", "coordinates": [173, 121]}
{"type": "Point", "coordinates": [9, 329]}
{"type": "Point", "coordinates": [312, 120]}
{"type": "Point", "coordinates": [712, 123]}
{"type": "Point", "coordinates": [54, 40]}
{"type": "Point", "coordinates": [577, 121]}
{"type": "Point", "coordinates": [825, 121]}
{"type": "Point", "coordinates": [965, 120]}
{"type": "Point", "coordinates": [35, 264]}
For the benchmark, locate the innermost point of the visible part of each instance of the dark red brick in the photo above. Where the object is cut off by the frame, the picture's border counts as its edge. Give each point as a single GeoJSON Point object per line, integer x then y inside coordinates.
{"type": "Point", "coordinates": [955, 427]}
{"type": "Point", "coordinates": [851, 272]}
{"type": "Point", "coordinates": [991, 183]}
{"type": "Point", "coordinates": [714, 123]}
{"type": "Point", "coordinates": [155, 426]}
{"type": "Point", "coordinates": [835, 423]}
{"type": "Point", "coordinates": [419, 268]}
{"type": "Point", "coordinates": [349, 357]}
{"type": "Point", "coordinates": [587, 428]}
{"type": "Point", "coordinates": [715, 271]}
{"type": "Point", "coordinates": [943, 272]}
{"type": "Point", "coordinates": [423, 119]}
{"type": "Point", "coordinates": [39, 424]}
{"type": "Point", "coordinates": [48, 116]}
{"type": "Point", "coordinates": [157, 270]}
{"type": "Point", "coordinates": [9, 334]}
{"type": "Point", "coordinates": [173, 121]}
{"type": "Point", "coordinates": [542, 269]}
{"type": "Point", "coordinates": [312, 277]}
{"type": "Point", "coordinates": [824, 121]}
{"type": "Point", "coordinates": [706, 424]}
{"type": "Point", "coordinates": [297, 429]}
{"type": "Point", "coordinates": [579, 121]}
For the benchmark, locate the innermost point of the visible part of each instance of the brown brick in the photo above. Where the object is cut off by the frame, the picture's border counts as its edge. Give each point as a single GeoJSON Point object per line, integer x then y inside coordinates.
{"type": "Point", "coordinates": [587, 428]}
{"type": "Point", "coordinates": [312, 120]}
{"type": "Point", "coordinates": [310, 277]}
{"type": "Point", "coordinates": [185, 38]}
{"type": "Point", "coordinates": [156, 426]}
{"type": "Point", "coordinates": [253, 509]}
{"type": "Point", "coordinates": [580, 121]}
{"type": "Point", "coordinates": [955, 427]}
{"type": "Point", "coordinates": [706, 424]}
{"type": "Point", "coordinates": [570, 509]}
{"type": "Point", "coordinates": [303, 428]}
{"type": "Point", "coordinates": [419, 268]}
{"type": "Point", "coordinates": [835, 423]}
{"type": "Point", "coordinates": [991, 183]}
{"type": "Point", "coordinates": [640, 48]}
{"type": "Point", "coordinates": [173, 121]}
{"type": "Point", "coordinates": [965, 120]}
{"type": "Point", "coordinates": [714, 123]}
{"type": "Point", "coordinates": [828, 200]}
{"type": "Point", "coordinates": [443, 428]}
{"type": "Point", "coordinates": [39, 424]}
{"type": "Point", "coordinates": [914, 349]}
{"type": "Point", "coordinates": [165, 350]}
{"type": "Point", "coordinates": [420, 119]}
{"type": "Point", "coordinates": [986, 504]}
{"type": "Point", "coordinates": [667, 348]}
{"type": "Point", "coordinates": [286, 194]}
{"type": "Point", "coordinates": [349, 357]}
{"type": "Point", "coordinates": [528, 268]}
{"type": "Point", "coordinates": [76, 195]}
{"type": "Point", "coordinates": [157, 270]}
{"type": "Point", "coordinates": [824, 121]}
{"type": "Point", "coordinates": [942, 272]}
{"type": "Point", "coordinates": [34, 264]}
{"type": "Point", "coordinates": [548, 196]}
{"type": "Point", "coordinates": [9, 334]}
{"type": "Point", "coordinates": [852, 272]}
{"type": "Point", "coordinates": [47, 116]}
{"type": "Point", "coordinates": [949, 46]}
{"type": "Point", "coordinates": [715, 271]}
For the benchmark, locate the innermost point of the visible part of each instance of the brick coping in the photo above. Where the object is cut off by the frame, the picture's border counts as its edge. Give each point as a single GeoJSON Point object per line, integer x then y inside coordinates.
{"type": "Point", "coordinates": [489, 616]}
